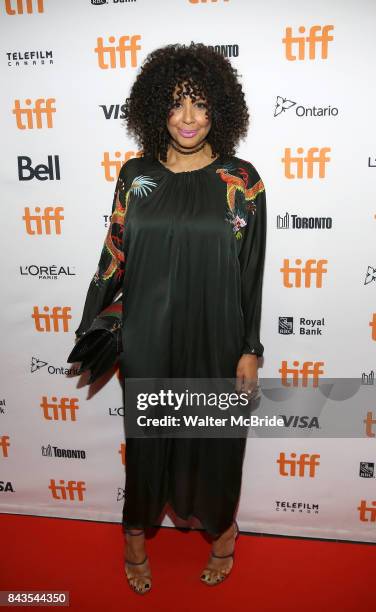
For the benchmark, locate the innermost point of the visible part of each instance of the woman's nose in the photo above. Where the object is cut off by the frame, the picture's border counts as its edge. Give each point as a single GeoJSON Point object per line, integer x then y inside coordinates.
{"type": "Point", "coordinates": [187, 111]}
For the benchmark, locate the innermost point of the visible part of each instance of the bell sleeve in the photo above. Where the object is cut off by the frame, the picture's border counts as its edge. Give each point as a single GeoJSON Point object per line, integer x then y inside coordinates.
{"type": "Point", "coordinates": [251, 258]}
{"type": "Point", "coordinates": [108, 277]}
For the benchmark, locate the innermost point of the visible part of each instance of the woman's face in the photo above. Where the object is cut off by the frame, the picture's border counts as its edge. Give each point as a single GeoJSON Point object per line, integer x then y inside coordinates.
{"type": "Point", "coordinates": [187, 122]}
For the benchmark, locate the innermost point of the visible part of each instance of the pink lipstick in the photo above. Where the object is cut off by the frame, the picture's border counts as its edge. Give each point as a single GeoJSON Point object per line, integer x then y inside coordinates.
{"type": "Point", "coordinates": [188, 133]}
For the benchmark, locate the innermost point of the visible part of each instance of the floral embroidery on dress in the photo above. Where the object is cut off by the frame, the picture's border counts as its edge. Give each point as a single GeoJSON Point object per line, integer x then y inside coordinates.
{"type": "Point", "coordinates": [239, 208]}
{"type": "Point", "coordinates": [141, 186]}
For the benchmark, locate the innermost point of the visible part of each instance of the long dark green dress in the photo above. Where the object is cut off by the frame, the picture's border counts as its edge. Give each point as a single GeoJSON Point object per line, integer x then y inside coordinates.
{"type": "Point", "coordinates": [188, 250]}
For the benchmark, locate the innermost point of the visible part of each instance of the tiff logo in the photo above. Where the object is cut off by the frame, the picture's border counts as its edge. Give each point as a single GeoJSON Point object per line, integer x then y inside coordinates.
{"type": "Point", "coordinates": [115, 56]}
{"type": "Point", "coordinates": [298, 467]}
{"type": "Point", "coordinates": [372, 325]}
{"type": "Point", "coordinates": [122, 452]}
{"type": "Point", "coordinates": [312, 269]}
{"type": "Point", "coordinates": [315, 158]}
{"type": "Point", "coordinates": [43, 321]}
{"type": "Point", "coordinates": [367, 513]}
{"type": "Point", "coordinates": [72, 491]}
{"type": "Point", "coordinates": [112, 167]}
{"type": "Point", "coordinates": [369, 423]}
{"type": "Point", "coordinates": [309, 370]}
{"type": "Point", "coordinates": [4, 445]}
{"type": "Point", "coordinates": [22, 5]}
{"type": "Point", "coordinates": [30, 118]}
{"type": "Point", "coordinates": [46, 222]}
{"type": "Point", "coordinates": [63, 411]}
{"type": "Point", "coordinates": [318, 36]}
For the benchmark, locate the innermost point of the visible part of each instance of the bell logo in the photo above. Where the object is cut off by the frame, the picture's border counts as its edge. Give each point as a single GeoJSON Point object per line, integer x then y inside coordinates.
{"type": "Point", "coordinates": [72, 491]}
{"type": "Point", "coordinates": [22, 6]}
{"type": "Point", "coordinates": [313, 268]}
{"type": "Point", "coordinates": [113, 167]}
{"type": "Point", "coordinates": [122, 453]}
{"type": "Point", "coordinates": [369, 423]}
{"type": "Point", "coordinates": [115, 56]}
{"type": "Point", "coordinates": [65, 410]}
{"type": "Point", "coordinates": [298, 467]}
{"type": "Point", "coordinates": [43, 321]}
{"type": "Point", "coordinates": [30, 118]}
{"type": "Point", "coordinates": [42, 172]}
{"type": "Point", "coordinates": [315, 158]}
{"type": "Point", "coordinates": [318, 35]}
{"type": "Point", "coordinates": [367, 513]}
{"type": "Point", "coordinates": [4, 445]}
{"type": "Point", "coordinates": [46, 222]}
{"type": "Point", "coordinates": [309, 370]}
{"type": "Point", "coordinates": [372, 325]}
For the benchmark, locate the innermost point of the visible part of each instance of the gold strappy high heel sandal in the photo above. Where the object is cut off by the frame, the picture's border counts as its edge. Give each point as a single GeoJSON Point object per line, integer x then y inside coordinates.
{"type": "Point", "coordinates": [211, 576]}
{"type": "Point", "coordinates": [135, 579]}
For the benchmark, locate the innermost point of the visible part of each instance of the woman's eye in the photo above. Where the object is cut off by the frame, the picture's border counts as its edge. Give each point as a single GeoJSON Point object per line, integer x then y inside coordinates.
{"type": "Point", "coordinates": [201, 104]}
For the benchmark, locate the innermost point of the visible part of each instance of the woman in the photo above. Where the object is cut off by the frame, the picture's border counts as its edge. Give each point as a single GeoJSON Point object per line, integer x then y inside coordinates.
{"type": "Point", "coordinates": [186, 245]}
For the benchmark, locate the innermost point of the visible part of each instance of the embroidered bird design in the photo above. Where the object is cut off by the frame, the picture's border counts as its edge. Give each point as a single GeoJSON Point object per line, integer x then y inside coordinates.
{"type": "Point", "coordinates": [141, 186]}
{"type": "Point", "coordinates": [240, 183]}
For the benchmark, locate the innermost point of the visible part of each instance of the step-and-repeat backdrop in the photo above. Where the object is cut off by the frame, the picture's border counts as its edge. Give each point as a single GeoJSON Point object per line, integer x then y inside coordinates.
{"type": "Point", "coordinates": [307, 70]}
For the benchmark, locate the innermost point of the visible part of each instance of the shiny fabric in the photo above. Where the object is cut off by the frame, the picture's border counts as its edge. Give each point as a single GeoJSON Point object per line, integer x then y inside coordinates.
{"type": "Point", "coordinates": [187, 249]}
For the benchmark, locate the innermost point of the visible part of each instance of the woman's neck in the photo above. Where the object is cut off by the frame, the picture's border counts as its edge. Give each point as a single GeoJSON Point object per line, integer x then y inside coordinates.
{"type": "Point", "coordinates": [180, 162]}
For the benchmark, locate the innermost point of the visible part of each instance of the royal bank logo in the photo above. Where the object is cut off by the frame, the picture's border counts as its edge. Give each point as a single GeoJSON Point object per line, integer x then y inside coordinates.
{"type": "Point", "coordinates": [367, 469]}
{"type": "Point", "coordinates": [285, 505]}
{"type": "Point", "coordinates": [38, 364]}
{"type": "Point", "coordinates": [305, 326]}
{"type": "Point", "coordinates": [3, 405]}
{"type": "Point", "coordinates": [370, 275]}
{"type": "Point", "coordinates": [285, 325]}
{"type": "Point", "coordinates": [47, 272]}
{"type": "Point", "coordinates": [290, 221]}
{"type": "Point", "coordinates": [229, 50]}
{"type": "Point", "coordinates": [29, 58]}
{"type": "Point", "coordinates": [284, 104]}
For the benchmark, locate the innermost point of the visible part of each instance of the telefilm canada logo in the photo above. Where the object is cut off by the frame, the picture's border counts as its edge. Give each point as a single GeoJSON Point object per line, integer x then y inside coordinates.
{"type": "Point", "coordinates": [305, 326]}
{"type": "Point", "coordinates": [292, 221]}
{"type": "Point", "coordinates": [283, 105]}
{"type": "Point", "coordinates": [285, 505]}
{"type": "Point", "coordinates": [39, 57]}
{"type": "Point", "coordinates": [38, 364]}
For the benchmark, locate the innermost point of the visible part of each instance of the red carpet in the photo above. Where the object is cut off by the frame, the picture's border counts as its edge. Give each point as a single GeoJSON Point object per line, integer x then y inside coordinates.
{"type": "Point", "coordinates": [270, 573]}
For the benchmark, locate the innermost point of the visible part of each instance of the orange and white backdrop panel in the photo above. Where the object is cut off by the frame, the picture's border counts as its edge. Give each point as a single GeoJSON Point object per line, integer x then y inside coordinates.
{"type": "Point", "coordinates": [307, 70]}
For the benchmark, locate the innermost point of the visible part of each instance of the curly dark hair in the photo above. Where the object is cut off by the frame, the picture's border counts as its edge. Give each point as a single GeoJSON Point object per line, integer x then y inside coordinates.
{"type": "Point", "coordinates": [206, 73]}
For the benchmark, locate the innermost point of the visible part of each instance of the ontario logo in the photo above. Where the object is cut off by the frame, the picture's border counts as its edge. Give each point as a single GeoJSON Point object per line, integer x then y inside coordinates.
{"type": "Point", "coordinates": [284, 104]}
{"type": "Point", "coordinates": [38, 364]}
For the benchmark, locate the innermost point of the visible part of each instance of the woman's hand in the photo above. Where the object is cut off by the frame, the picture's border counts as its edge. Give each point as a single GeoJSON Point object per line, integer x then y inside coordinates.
{"type": "Point", "coordinates": [246, 374]}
